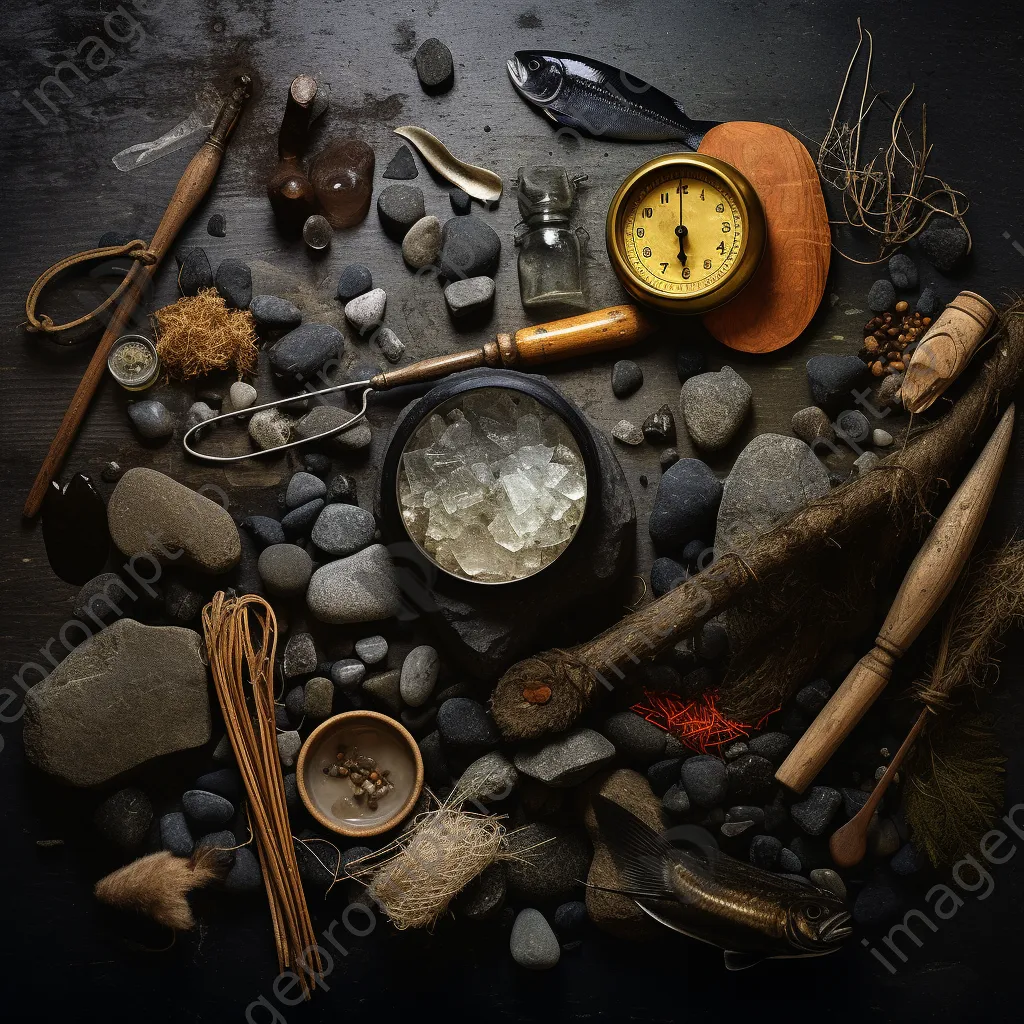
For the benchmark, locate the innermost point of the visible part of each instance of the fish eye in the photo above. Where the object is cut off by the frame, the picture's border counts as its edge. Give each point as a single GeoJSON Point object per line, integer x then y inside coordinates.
{"type": "Point", "coordinates": [534, 65]}
{"type": "Point", "coordinates": [812, 913]}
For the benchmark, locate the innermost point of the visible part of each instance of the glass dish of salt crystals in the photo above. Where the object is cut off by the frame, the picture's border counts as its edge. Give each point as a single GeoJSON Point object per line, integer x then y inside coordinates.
{"type": "Point", "coordinates": [492, 485]}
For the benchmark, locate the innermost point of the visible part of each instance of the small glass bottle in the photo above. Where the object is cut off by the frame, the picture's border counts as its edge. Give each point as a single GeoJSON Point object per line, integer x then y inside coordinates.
{"type": "Point", "coordinates": [550, 253]}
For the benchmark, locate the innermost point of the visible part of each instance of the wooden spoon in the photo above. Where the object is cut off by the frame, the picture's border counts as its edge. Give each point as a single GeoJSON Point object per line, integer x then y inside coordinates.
{"type": "Point", "coordinates": [849, 843]}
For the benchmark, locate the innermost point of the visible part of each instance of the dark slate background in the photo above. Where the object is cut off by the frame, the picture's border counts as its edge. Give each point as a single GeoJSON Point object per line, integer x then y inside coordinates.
{"type": "Point", "coordinates": [782, 62]}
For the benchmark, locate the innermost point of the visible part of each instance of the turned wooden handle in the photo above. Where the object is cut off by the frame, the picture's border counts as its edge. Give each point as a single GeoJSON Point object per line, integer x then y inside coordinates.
{"type": "Point", "coordinates": [604, 329]}
{"type": "Point", "coordinates": [192, 186]}
{"type": "Point", "coordinates": [928, 582]}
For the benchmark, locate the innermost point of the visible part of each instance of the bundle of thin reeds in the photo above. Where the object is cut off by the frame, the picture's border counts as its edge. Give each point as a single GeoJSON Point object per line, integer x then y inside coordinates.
{"type": "Point", "coordinates": [241, 665]}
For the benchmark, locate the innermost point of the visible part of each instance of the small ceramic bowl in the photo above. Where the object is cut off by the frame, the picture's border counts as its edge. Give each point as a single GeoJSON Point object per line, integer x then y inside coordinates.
{"type": "Point", "coordinates": [331, 800]}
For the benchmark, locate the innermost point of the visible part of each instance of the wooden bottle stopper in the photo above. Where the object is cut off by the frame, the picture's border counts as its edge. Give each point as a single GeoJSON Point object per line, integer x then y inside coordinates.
{"type": "Point", "coordinates": [927, 584]}
{"type": "Point", "coordinates": [946, 348]}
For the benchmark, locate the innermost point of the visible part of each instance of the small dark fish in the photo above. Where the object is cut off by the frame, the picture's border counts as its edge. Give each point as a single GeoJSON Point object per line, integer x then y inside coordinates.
{"type": "Point", "coordinates": [603, 101]}
{"type": "Point", "coordinates": [701, 892]}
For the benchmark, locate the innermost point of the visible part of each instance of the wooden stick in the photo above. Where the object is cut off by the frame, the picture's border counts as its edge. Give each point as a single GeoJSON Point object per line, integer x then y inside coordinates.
{"type": "Point", "coordinates": [927, 584]}
{"type": "Point", "coordinates": [193, 185]}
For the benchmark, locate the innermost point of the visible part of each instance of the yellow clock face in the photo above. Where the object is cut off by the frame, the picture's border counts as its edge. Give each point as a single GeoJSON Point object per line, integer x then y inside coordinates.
{"type": "Point", "coordinates": [685, 232]}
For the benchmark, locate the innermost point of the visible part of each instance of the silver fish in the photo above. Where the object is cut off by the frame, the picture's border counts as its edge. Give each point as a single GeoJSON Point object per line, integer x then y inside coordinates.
{"type": "Point", "coordinates": [750, 913]}
{"type": "Point", "coordinates": [603, 101]}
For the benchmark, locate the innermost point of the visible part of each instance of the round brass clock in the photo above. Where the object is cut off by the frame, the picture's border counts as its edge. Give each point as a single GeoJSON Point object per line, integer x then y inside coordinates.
{"type": "Point", "coordinates": [685, 232]}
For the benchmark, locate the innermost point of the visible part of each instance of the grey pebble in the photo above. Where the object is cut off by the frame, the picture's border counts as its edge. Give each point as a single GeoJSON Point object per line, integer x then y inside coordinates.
{"type": "Point", "coordinates": [299, 655]}
{"type": "Point", "coordinates": [470, 297]}
{"type": "Point", "coordinates": [853, 427]}
{"type": "Point", "coordinates": [465, 723]}
{"type": "Point", "coordinates": [902, 271]}
{"type": "Point", "coordinates": [676, 800]}
{"type": "Point", "coordinates": [817, 809]}
{"type": "Point", "coordinates": [565, 760]}
{"type": "Point", "coordinates": [301, 354]}
{"type": "Point", "coordinates": [944, 243]}
{"type": "Point", "coordinates": [366, 311]}
{"type": "Point", "coordinates": [360, 588]}
{"type": "Point", "coordinates": [273, 311]}
{"type": "Point", "coordinates": [390, 344]}
{"type": "Point", "coordinates": [533, 944]}
{"type": "Point", "coordinates": [628, 433]}
{"type": "Point", "coordinates": [303, 488]}
{"type": "Point", "coordinates": [263, 530]}
{"type": "Point", "coordinates": [461, 202]}
{"type": "Point", "coordinates": [151, 419]}
{"type": "Point", "coordinates": [288, 745]}
{"type": "Point", "coordinates": [434, 66]}
{"type": "Point", "coordinates": [705, 779]}
{"type": "Point", "coordinates": [343, 529]}
{"type": "Point", "coordinates": [371, 649]}
{"type": "Point", "coordinates": [299, 521]}
{"type": "Point", "coordinates": [318, 698]}
{"type": "Point", "coordinates": [399, 207]}
{"type": "Point", "coordinates": [714, 406]}
{"type": "Point", "coordinates": [881, 296]}
{"type": "Point", "coordinates": [242, 395]}
{"type": "Point", "coordinates": [348, 673]}
{"type": "Point", "coordinates": [419, 675]}
{"type": "Point", "coordinates": [207, 808]}
{"type": "Point", "coordinates": [285, 569]}
{"type": "Point", "coordinates": [866, 462]}
{"type": "Point", "coordinates": [270, 428]}
{"type": "Point", "coordinates": [811, 423]}
{"type": "Point", "coordinates": [402, 166]}
{"type": "Point", "coordinates": [354, 280]}
{"type": "Point", "coordinates": [175, 835]}
{"type": "Point", "coordinates": [789, 861]}
{"type": "Point", "coordinates": [385, 688]}
{"type": "Point", "coordinates": [881, 438]}
{"type": "Point", "coordinates": [234, 282]}
{"type": "Point", "coordinates": [627, 378]}
{"type": "Point", "coordinates": [635, 736]}
{"type": "Point", "coordinates": [470, 247]}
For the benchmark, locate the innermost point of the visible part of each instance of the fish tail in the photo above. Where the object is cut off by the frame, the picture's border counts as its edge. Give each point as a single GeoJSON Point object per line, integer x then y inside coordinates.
{"type": "Point", "coordinates": [640, 853]}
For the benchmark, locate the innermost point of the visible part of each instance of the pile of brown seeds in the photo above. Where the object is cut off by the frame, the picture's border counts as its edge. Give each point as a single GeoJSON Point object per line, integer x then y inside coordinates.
{"type": "Point", "coordinates": [368, 781]}
{"type": "Point", "coordinates": [890, 339]}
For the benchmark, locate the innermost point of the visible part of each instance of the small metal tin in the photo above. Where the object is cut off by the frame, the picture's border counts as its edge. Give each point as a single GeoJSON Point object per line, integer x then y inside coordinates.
{"type": "Point", "coordinates": [133, 362]}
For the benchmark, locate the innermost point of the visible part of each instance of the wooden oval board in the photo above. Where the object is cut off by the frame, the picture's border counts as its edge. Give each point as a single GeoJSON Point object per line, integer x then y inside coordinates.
{"type": "Point", "coordinates": [785, 291]}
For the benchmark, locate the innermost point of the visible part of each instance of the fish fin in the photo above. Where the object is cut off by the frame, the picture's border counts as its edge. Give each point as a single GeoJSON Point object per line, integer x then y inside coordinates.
{"type": "Point", "coordinates": [741, 961]}
{"type": "Point", "coordinates": [640, 854]}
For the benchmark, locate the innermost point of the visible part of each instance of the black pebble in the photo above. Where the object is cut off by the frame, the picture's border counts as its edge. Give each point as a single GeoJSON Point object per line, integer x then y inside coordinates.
{"type": "Point", "coordinates": [689, 361]}
{"type": "Point", "coordinates": [461, 202]}
{"type": "Point", "coordinates": [194, 271]}
{"type": "Point", "coordinates": [399, 207]}
{"type": "Point", "coordinates": [882, 296]}
{"type": "Point", "coordinates": [112, 472]}
{"type": "Point", "coordinates": [182, 603]}
{"type": "Point", "coordinates": [355, 280]}
{"type": "Point", "coordinates": [666, 575]}
{"type": "Point", "coordinates": [225, 782]}
{"type": "Point", "coordinates": [75, 532]}
{"type": "Point", "coordinates": [627, 378]}
{"type": "Point", "coordinates": [814, 696]}
{"type": "Point", "coordinates": [234, 282]}
{"type": "Point", "coordinates": [435, 66]}
{"type": "Point", "coordinates": [217, 226]}
{"type": "Point", "coordinates": [470, 247]}
{"type": "Point", "coordinates": [660, 426]}
{"type": "Point", "coordinates": [300, 521]}
{"type": "Point", "coordinates": [944, 243]}
{"type": "Point", "coordinates": [317, 464]}
{"type": "Point", "coordinates": [341, 490]}
{"type": "Point", "coordinates": [668, 458]}
{"type": "Point", "coordinates": [692, 553]}
{"type": "Point", "coordinates": [402, 166]}
{"type": "Point", "coordinates": [264, 530]}
{"type": "Point", "coordinates": [927, 302]}
{"type": "Point", "coordinates": [902, 271]}
{"type": "Point", "coordinates": [764, 851]}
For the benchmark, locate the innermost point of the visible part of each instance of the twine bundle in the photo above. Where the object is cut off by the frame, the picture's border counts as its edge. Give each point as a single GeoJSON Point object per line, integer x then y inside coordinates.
{"type": "Point", "coordinates": [415, 877]}
{"type": "Point", "coordinates": [238, 664]}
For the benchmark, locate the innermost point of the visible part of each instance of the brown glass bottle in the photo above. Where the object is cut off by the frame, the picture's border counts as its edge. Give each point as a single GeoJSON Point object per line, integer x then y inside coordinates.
{"type": "Point", "coordinates": [289, 190]}
{"type": "Point", "coordinates": [342, 177]}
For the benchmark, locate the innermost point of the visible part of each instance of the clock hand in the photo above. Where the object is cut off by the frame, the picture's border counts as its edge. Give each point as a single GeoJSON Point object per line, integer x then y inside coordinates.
{"type": "Point", "coordinates": [681, 230]}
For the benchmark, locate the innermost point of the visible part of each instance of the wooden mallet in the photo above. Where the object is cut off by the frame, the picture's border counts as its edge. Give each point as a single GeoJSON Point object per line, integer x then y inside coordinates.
{"type": "Point", "coordinates": [928, 582]}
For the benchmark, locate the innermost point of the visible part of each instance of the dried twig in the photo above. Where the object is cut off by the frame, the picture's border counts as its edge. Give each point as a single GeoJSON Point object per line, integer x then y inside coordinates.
{"type": "Point", "coordinates": [891, 196]}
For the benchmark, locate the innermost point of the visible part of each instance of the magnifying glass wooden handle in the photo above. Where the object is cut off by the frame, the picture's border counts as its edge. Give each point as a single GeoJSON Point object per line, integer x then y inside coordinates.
{"type": "Point", "coordinates": [583, 335]}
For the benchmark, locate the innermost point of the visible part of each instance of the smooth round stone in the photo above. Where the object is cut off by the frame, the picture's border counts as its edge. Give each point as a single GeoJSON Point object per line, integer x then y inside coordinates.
{"type": "Point", "coordinates": [273, 311]}
{"type": "Point", "coordinates": [419, 672]}
{"type": "Point", "coordinates": [473, 296]}
{"type": "Point", "coordinates": [484, 897]}
{"type": "Point", "coordinates": [103, 599]}
{"type": "Point", "coordinates": [348, 673]}
{"type": "Point", "coordinates": [354, 280]}
{"type": "Point", "coordinates": [207, 808]}
{"type": "Point", "coordinates": [902, 271]}
{"type": "Point", "coordinates": [829, 880]}
{"type": "Point", "coordinates": [299, 655]}
{"type": "Point", "coordinates": [360, 588]}
{"type": "Point", "coordinates": [303, 488]}
{"type": "Point", "coordinates": [812, 423]}
{"type": "Point", "coordinates": [288, 745]}
{"type": "Point", "coordinates": [302, 353]}
{"type": "Point", "coordinates": [714, 406]}
{"type": "Point", "coordinates": [399, 207]}
{"type": "Point", "coordinates": [245, 874]}
{"type": "Point", "coordinates": [371, 649]}
{"type": "Point", "coordinates": [299, 521]}
{"type": "Point", "coordinates": [343, 529]}
{"type": "Point", "coordinates": [385, 688]}
{"type": "Point", "coordinates": [324, 418]}
{"type": "Point", "coordinates": [270, 428]}
{"type": "Point", "coordinates": [686, 504]}
{"type": "Point", "coordinates": [264, 530]}
{"type": "Point", "coordinates": [225, 782]}
{"type": "Point", "coordinates": [668, 458]}
{"type": "Point", "coordinates": [774, 746]}
{"type": "Point", "coordinates": [285, 569]}
{"type": "Point", "coordinates": [833, 379]}
{"type": "Point", "coordinates": [124, 818]}
{"type": "Point", "coordinates": [663, 774]}
{"type": "Point", "coordinates": [666, 575]}
{"type": "Point", "coordinates": [627, 378]}
{"type": "Point", "coordinates": [765, 851]}
{"type": "Point", "coordinates": [635, 736]}
{"type": "Point", "coordinates": [750, 775]}
{"type": "Point", "coordinates": [789, 862]}
{"type": "Point", "coordinates": [490, 778]}
{"type": "Point", "coordinates": [465, 723]}
{"type": "Point", "coordinates": [881, 438]}
{"type": "Point", "coordinates": [194, 272]}
{"type": "Point", "coordinates": [865, 463]}
{"type": "Point", "coordinates": [367, 310]}
{"type": "Point", "coordinates": [242, 395]}
{"type": "Point", "coordinates": [175, 835]}
{"type": "Point", "coordinates": [570, 918]}
{"type": "Point", "coordinates": [390, 344]}
{"type": "Point", "coordinates": [533, 944]}
{"type": "Point", "coordinates": [817, 809]}
{"type": "Point", "coordinates": [319, 698]}
{"type": "Point", "coordinates": [470, 247]}
{"type": "Point", "coordinates": [705, 780]}
{"type": "Point", "coordinates": [881, 296]}
{"type": "Point", "coordinates": [422, 243]}
{"type": "Point", "coordinates": [712, 642]}
{"type": "Point", "coordinates": [434, 66]}
{"type": "Point", "coordinates": [151, 419]}
{"type": "Point", "coordinates": [234, 282]}
{"type": "Point", "coordinates": [198, 412]}
{"type": "Point", "coordinates": [461, 202]}
{"type": "Point", "coordinates": [853, 426]}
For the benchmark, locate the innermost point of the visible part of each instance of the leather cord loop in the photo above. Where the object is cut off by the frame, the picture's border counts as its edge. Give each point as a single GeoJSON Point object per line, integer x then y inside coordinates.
{"type": "Point", "coordinates": [137, 249]}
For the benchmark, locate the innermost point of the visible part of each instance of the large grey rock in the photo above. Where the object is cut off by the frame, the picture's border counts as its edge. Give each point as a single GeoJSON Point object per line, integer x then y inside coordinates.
{"type": "Point", "coordinates": [151, 514]}
{"type": "Point", "coordinates": [567, 760]}
{"type": "Point", "coordinates": [470, 247]}
{"type": "Point", "coordinates": [301, 354]}
{"type": "Point", "coordinates": [714, 405]}
{"type": "Point", "coordinates": [360, 588]}
{"type": "Point", "coordinates": [128, 694]}
{"type": "Point", "coordinates": [533, 944]}
{"type": "Point", "coordinates": [773, 476]}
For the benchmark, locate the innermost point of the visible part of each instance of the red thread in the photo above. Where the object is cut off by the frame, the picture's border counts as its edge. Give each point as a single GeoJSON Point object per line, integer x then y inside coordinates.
{"type": "Point", "coordinates": [698, 724]}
